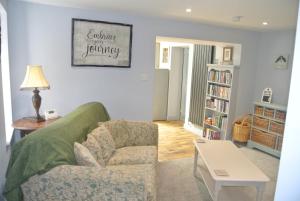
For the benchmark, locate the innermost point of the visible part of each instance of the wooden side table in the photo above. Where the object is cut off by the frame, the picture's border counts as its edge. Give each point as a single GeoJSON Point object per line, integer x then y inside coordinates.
{"type": "Point", "coordinates": [27, 125]}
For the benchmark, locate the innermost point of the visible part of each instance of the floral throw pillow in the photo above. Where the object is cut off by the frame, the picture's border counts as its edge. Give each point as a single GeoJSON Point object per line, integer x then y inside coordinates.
{"type": "Point", "coordinates": [84, 157]}
{"type": "Point", "coordinates": [93, 146]}
{"type": "Point", "coordinates": [118, 130]}
{"type": "Point", "coordinates": [106, 142]}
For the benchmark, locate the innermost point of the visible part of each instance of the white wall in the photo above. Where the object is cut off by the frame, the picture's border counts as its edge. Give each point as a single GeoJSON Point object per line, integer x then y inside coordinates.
{"type": "Point", "coordinates": [4, 154]}
{"type": "Point", "coordinates": [175, 84]}
{"type": "Point", "coordinates": [184, 83]}
{"type": "Point", "coordinates": [160, 96]}
{"type": "Point", "coordinates": [271, 45]}
{"type": "Point", "coordinates": [157, 52]}
{"type": "Point", "coordinates": [289, 177]}
{"type": "Point", "coordinates": [42, 35]}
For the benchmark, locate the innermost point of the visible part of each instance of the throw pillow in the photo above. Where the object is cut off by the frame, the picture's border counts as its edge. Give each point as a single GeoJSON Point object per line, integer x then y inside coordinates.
{"type": "Point", "coordinates": [119, 131]}
{"type": "Point", "coordinates": [106, 142]}
{"type": "Point", "coordinates": [84, 157]}
{"type": "Point", "coordinates": [95, 149]}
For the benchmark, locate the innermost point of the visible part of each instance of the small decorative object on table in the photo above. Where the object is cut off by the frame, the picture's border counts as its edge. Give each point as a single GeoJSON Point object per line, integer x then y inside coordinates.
{"type": "Point", "coordinates": [51, 114]}
{"type": "Point", "coordinates": [35, 79]}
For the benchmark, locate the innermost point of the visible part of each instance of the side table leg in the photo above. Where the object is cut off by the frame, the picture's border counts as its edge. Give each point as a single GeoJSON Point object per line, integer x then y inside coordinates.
{"type": "Point", "coordinates": [260, 191]}
{"type": "Point", "coordinates": [195, 161]}
{"type": "Point", "coordinates": [22, 133]}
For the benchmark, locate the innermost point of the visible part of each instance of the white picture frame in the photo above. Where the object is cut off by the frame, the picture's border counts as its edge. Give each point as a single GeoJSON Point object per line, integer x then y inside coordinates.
{"type": "Point", "coordinates": [228, 54]}
{"type": "Point", "coordinates": [165, 56]}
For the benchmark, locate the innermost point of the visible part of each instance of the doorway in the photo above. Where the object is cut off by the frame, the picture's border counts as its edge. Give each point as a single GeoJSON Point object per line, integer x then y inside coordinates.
{"type": "Point", "coordinates": [170, 87]}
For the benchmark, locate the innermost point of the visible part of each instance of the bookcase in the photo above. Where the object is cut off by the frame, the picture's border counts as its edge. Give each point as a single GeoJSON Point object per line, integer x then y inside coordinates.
{"type": "Point", "coordinates": [267, 128]}
{"type": "Point", "coordinates": [220, 101]}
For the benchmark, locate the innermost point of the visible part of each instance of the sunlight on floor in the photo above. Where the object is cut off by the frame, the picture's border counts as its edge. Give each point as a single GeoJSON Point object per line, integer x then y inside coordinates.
{"type": "Point", "coordinates": [174, 141]}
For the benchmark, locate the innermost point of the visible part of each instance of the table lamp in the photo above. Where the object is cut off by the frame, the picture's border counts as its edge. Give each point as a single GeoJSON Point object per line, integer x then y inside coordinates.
{"type": "Point", "coordinates": [35, 80]}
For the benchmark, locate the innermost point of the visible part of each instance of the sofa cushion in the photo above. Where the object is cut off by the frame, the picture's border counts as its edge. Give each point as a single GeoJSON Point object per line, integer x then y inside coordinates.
{"type": "Point", "coordinates": [119, 131]}
{"type": "Point", "coordinates": [134, 155]}
{"type": "Point", "coordinates": [105, 140]}
{"type": "Point", "coordinates": [95, 149]}
{"type": "Point", "coordinates": [76, 183]}
{"type": "Point", "coordinates": [84, 157]}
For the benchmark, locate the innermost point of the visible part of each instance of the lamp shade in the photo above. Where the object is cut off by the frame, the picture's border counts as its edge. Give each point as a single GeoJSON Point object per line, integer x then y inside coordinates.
{"type": "Point", "coordinates": [34, 78]}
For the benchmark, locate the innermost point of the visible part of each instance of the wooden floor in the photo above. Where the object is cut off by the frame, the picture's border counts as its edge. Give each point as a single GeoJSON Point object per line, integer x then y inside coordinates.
{"type": "Point", "coordinates": [174, 141]}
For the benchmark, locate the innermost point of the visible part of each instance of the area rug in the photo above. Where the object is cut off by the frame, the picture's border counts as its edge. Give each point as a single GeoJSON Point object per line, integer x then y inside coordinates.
{"type": "Point", "coordinates": [177, 183]}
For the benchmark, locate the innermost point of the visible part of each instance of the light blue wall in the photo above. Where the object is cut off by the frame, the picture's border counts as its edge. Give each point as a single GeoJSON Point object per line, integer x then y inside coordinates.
{"type": "Point", "coordinates": [41, 34]}
{"type": "Point", "coordinates": [4, 3]}
{"type": "Point", "coordinates": [272, 44]}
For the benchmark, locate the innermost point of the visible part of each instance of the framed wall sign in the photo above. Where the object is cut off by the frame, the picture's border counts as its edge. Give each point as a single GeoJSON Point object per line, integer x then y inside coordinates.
{"type": "Point", "coordinates": [227, 54]}
{"type": "Point", "coordinates": [100, 43]}
{"type": "Point", "coordinates": [266, 95]}
{"type": "Point", "coordinates": [281, 62]}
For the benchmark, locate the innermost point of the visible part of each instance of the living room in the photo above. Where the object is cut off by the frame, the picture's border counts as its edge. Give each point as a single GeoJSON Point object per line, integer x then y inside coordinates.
{"type": "Point", "coordinates": [41, 34]}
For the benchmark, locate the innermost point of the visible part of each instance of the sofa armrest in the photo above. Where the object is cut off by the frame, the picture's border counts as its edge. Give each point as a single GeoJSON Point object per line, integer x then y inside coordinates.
{"type": "Point", "coordinates": [142, 133]}
{"type": "Point", "coordinates": [74, 183]}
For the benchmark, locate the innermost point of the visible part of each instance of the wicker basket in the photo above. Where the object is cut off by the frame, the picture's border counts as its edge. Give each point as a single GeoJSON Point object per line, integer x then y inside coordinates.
{"type": "Point", "coordinates": [269, 112]}
{"type": "Point", "coordinates": [259, 110]}
{"type": "Point", "coordinates": [277, 127]}
{"type": "Point", "coordinates": [241, 130]}
{"type": "Point", "coordinates": [263, 138]}
{"type": "Point", "coordinates": [261, 122]}
{"type": "Point", "coordinates": [280, 115]}
{"type": "Point", "coordinates": [279, 143]}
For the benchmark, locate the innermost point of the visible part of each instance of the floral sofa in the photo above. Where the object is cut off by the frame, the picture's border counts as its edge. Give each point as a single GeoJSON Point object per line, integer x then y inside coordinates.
{"type": "Point", "coordinates": [128, 175]}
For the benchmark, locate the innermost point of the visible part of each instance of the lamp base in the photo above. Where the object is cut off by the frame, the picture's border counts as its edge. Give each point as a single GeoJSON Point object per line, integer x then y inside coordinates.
{"type": "Point", "coordinates": [36, 101]}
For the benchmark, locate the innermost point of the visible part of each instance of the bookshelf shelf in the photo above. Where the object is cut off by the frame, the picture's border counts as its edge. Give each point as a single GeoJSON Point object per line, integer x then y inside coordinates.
{"type": "Point", "coordinates": [220, 101]}
{"type": "Point", "coordinates": [267, 128]}
{"type": "Point", "coordinates": [219, 83]}
{"type": "Point", "coordinates": [224, 113]}
{"type": "Point", "coordinates": [213, 126]}
{"type": "Point", "coordinates": [217, 97]}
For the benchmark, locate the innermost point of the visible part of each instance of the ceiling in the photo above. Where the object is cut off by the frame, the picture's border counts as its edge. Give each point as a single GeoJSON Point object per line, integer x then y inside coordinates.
{"type": "Point", "coordinates": [280, 14]}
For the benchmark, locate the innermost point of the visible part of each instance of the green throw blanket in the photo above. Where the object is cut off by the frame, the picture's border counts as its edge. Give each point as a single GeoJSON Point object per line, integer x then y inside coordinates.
{"type": "Point", "coordinates": [49, 147]}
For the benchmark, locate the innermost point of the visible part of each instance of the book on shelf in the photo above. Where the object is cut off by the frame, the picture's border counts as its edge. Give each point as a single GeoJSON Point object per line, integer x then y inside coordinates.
{"type": "Point", "coordinates": [211, 134]}
{"type": "Point", "coordinates": [217, 104]}
{"type": "Point", "coordinates": [223, 77]}
{"type": "Point", "coordinates": [219, 121]}
{"type": "Point", "coordinates": [218, 91]}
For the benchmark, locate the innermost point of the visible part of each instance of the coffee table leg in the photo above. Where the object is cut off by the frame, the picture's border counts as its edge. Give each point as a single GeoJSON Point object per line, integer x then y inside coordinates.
{"type": "Point", "coordinates": [260, 190]}
{"type": "Point", "coordinates": [195, 161]}
{"type": "Point", "coordinates": [217, 190]}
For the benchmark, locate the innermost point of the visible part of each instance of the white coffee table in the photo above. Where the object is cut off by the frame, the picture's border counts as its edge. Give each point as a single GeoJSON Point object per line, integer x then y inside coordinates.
{"type": "Point", "coordinates": [224, 158]}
